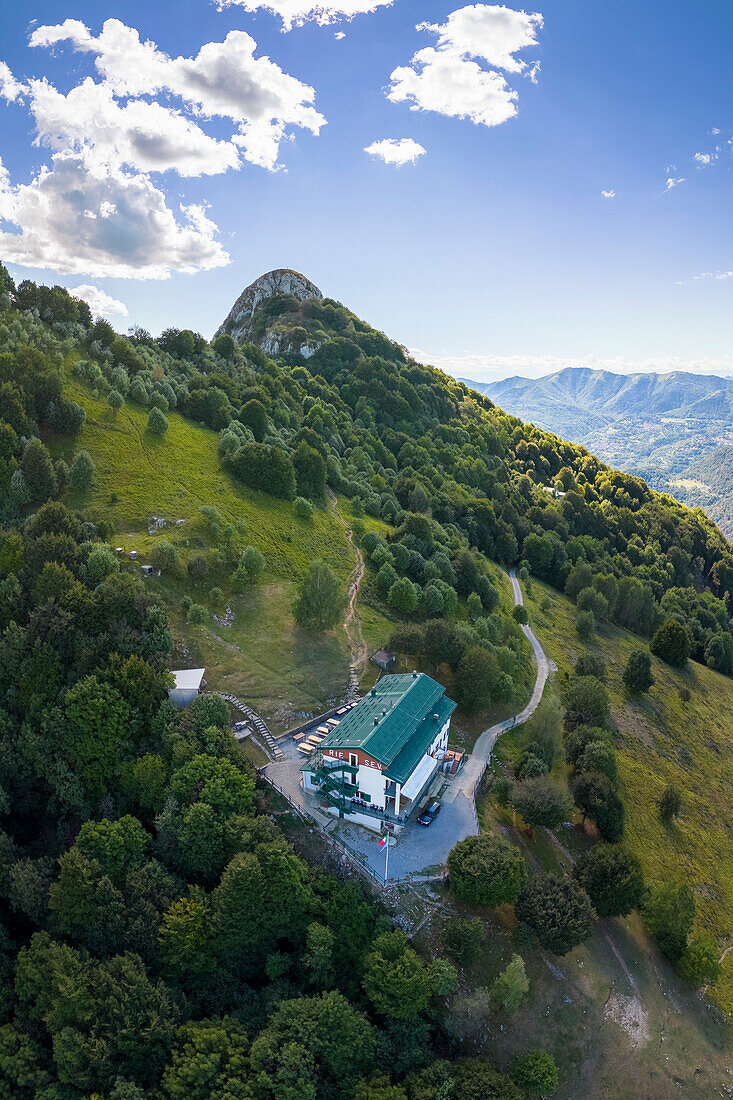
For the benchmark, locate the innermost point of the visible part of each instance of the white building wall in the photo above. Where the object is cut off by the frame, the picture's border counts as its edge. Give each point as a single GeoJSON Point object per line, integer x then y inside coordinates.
{"type": "Point", "coordinates": [371, 781]}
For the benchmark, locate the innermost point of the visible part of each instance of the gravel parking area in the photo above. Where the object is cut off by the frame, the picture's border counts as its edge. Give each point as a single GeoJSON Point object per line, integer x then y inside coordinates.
{"type": "Point", "coordinates": [417, 850]}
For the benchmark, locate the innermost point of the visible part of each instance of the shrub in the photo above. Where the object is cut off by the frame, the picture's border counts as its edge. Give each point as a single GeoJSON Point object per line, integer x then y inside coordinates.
{"type": "Point", "coordinates": [540, 802]}
{"type": "Point", "coordinates": [115, 400]}
{"type": "Point", "coordinates": [485, 870]}
{"type": "Point", "coordinates": [462, 938]}
{"type": "Point", "coordinates": [558, 911]}
{"type": "Point", "coordinates": [585, 623]}
{"type": "Point", "coordinates": [519, 614]}
{"type": "Point", "coordinates": [670, 803]}
{"type": "Point", "coordinates": [672, 643]}
{"type": "Point", "coordinates": [163, 555]}
{"type": "Point", "coordinates": [612, 878]}
{"type": "Point", "coordinates": [82, 473]}
{"type": "Point", "coordinates": [303, 508]}
{"type": "Point", "coordinates": [197, 614]}
{"type": "Point", "coordinates": [669, 913]}
{"type": "Point", "coordinates": [699, 963]}
{"type": "Point", "coordinates": [638, 672]}
{"type": "Point", "coordinates": [502, 789]}
{"type": "Point", "coordinates": [321, 599]}
{"type": "Point", "coordinates": [511, 987]}
{"type": "Point", "coordinates": [536, 1072]}
{"type": "Point", "coordinates": [598, 756]}
{"type": "Point", "coordinates": [157, 422]}
{"type": "Point", "coordinates": [596, 798]}
{"type": "Point", "coordinates": [590, 664]}
{"type": "Point", "coordinates": [586, 702]}
{"type": "Point", "coordinates": [578, 740]}
{"type": "Point", "coordinates": [266, 468]}
{"type": "Point", "coordinates": [403, 596]}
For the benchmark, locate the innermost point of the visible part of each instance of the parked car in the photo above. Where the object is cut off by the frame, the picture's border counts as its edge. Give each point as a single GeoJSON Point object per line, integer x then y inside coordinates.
{"type": "Point", "coordinates": [429, 814]}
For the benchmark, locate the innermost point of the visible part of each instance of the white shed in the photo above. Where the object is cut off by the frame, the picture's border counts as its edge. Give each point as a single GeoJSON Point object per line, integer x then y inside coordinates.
{"type": "Point", "coordinates": [188, 685]}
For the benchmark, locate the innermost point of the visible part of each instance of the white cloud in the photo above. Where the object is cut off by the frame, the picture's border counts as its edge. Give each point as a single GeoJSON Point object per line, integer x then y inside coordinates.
{"type": "Point", "coordinates": [715, 130]}
{"type": "Point", "coordinates": [10, 88]}
{"type": "Point", "coordinates": [294, 13]}
{"type": "Point", "coordinates": [144, 135]}
{"type": "Point", "coordinates": [100, 303]}
{"type": "Point", "coordinates": [339, 35]}
{"type": "Point", "coordinates": [94, 208]}
{"type": "Point", "coordinates": [717, 275]}
{"type": "Point", "coordinates": [609, 194]}
{"type": "Point", "coordinates": [447, 80]}
{"type": "Point", "coordinates": [491, 368]}
{"type": "Point", "coordinates": [80, 216]}
{"type": "Point", "coordinates": [397, 151]}
{"type": "Point", "coordinates": [489, 31]}
{"type": "Point", "coordinates": [704, 160]}
{"type": "Point", "coordinates": [225, 80]}
{"type": "Point", "coordinates": [672, 182]}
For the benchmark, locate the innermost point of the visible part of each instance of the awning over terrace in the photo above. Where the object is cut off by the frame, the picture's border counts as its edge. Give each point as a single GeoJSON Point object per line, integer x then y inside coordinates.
{"type": "Point", "coordinates": [419, 777]}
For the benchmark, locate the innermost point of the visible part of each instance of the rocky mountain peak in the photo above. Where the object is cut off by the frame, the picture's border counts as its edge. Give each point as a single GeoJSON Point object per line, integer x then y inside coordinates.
{"type": "Point", "coordinates": [273, 284]}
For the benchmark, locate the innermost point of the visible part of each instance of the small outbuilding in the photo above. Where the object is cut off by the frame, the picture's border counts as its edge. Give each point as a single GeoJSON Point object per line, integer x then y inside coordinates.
{"type": "Point", "coordinates": [384, 659]}
{"type": "Point", "coordinates": [147, 570]}
{"type": "Point", "coordinates": [188, 685]}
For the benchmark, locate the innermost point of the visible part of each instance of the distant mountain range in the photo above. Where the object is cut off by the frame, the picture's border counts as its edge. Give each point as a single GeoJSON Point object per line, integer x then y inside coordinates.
{"type": "Point", "coordinates": [675, 430]}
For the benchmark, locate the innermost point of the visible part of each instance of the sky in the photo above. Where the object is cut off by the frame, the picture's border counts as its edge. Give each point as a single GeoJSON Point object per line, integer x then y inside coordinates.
{"type": "Point", "coordinates": [504, 190]}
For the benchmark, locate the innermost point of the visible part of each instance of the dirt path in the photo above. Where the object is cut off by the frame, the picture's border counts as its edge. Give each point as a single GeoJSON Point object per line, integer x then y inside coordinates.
{"type": "Point", "coordinates": [358, 652]}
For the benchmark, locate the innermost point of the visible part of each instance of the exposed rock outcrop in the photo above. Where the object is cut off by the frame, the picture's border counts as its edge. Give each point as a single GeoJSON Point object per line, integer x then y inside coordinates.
{"type": "Point", "coordinates": [274, 284]}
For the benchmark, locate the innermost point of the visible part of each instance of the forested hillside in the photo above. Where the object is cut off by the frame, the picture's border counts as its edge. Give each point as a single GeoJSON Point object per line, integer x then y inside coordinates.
{"type": "Point", "coordinates": [159, 938]}
{"type": "Point", "coordinates": [666, 428]}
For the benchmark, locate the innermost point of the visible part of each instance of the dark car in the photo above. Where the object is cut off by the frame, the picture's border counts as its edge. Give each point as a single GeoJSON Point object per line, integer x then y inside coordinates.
{"type": "Point", "coordinates": [428, 816]}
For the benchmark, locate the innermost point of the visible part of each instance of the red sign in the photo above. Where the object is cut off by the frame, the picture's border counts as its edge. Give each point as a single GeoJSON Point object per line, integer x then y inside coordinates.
{"type": "Point", "coordinates": [346, 754]}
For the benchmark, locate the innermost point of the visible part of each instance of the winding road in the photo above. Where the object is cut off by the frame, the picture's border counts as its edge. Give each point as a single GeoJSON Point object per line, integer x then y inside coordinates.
{"type": "Point", "coordinates": [469, 778]}
{"type": "Point", "coordinates": [420, 854]}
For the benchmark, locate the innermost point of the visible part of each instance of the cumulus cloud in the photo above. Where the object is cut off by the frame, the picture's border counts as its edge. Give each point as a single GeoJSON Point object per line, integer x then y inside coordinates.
{"type": "Point", "coordinates": [396, 150]}
{"type": "Point", "coordinates": [10, 88]}
{"type": "Point", "coordinates": [94, 208]}
{"type": "Point", "coordinates": [144, 135]}
{"type": "Point", "coordinates": [224, 80]}
{"type": "Point", "coordinates": [704, 160]}
{"type": "Point", "coordinates": [450, 78]}
{"type": "Point", "coordinates": [339, 35]}
{"type": "Point", "coordinates": [490, 32]}
{"type": "Point", "coordinates": [294, 13]}
{"type": "Point", "coordinates": [84, 217]}
{"type": "Point", "coordinates": [609, 194]}
{"type": "Point", "coordinates": [100, 303]}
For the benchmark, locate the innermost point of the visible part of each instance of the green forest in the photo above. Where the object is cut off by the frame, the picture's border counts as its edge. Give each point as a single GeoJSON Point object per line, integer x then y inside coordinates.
{"type": "Point", "coordinates": [159, 935]}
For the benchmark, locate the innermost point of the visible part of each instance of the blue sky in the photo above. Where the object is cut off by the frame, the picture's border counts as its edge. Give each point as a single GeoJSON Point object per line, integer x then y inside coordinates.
{"type": "Point", "coordinates": [494, 252]}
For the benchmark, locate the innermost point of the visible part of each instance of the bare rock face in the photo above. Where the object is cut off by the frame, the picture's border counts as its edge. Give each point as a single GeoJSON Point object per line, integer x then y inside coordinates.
{"type": "Point", "coordinates": [271, 285]}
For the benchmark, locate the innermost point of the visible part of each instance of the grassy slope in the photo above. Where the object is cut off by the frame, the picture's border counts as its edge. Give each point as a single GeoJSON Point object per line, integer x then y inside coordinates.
{"type": "Point", "coordinates": [262, 655]}
{"type": "Point", "coordinates": [662, 740]}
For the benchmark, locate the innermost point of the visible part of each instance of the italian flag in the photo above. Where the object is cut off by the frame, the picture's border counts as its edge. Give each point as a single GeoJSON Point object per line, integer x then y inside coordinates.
{"type": "Point", "coordinates": [383, 841]}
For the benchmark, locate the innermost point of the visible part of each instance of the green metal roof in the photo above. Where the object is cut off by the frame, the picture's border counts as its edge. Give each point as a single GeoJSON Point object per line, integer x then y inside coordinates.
{"type": "Point", "coordinates": [394, 723]}
{"type": "Point", "coordinates": [413, 751]}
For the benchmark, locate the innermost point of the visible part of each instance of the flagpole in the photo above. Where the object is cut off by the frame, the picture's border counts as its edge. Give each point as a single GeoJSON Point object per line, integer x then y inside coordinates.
{"type": "Point", "coordinates": [386, 862]}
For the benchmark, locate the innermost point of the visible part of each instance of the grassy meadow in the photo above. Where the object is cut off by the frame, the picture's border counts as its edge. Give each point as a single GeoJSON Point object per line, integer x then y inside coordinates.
{"type": "Point", "coordinates": [250, 644]}
{"type": "Point", "coordinates": [661, 739]}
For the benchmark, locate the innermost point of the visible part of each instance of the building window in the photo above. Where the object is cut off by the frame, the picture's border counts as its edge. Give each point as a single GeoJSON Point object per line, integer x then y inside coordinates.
{"type": "Point", "coordinates": [353, 760]}
{"type": "Point", "coordinates": [366, 797]}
